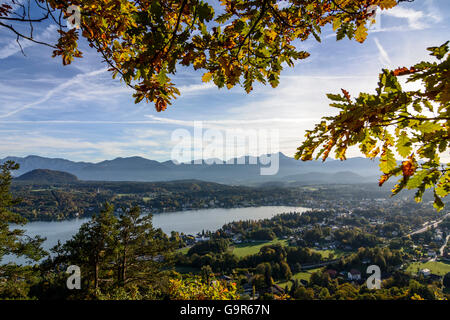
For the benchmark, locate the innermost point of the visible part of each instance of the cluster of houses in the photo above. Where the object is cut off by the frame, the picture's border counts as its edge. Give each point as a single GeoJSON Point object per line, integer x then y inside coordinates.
{"type": "Point", "coordinates": [352, 275]}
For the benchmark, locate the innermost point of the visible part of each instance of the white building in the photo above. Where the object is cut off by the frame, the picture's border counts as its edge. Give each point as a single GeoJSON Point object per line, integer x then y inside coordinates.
{"type": "Point", "coordinates": [425, 272]}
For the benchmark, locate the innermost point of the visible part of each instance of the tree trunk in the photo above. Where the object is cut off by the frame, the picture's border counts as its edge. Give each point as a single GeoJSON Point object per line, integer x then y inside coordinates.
{"type": "Point", "coordinates": [124, 268]}
{"type": "Point", "coordinates": [96, 276]}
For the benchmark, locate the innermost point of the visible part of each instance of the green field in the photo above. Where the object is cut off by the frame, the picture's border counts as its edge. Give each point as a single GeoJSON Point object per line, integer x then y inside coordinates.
{"type": "Point", "coordinates": [120, 195]}
{"type": "Point", "coordinates": [305, 275]}
{"type": "Point", "coordinates": [436, 267]}
{"type": "Point", "coordinates": [326, 253]}
{"type": "Point", "coordinates": [183, 250]}
{"type": "Point", "coordinates": [245, 249]}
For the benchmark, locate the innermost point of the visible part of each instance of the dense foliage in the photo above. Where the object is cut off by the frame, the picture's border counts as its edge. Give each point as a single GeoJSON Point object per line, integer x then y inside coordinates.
{"type": "Point", "coordinates": [124, 253]}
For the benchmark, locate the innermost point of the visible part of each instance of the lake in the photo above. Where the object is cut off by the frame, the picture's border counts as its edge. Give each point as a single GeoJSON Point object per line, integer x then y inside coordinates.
{"type": "Point", "coordinates": [189, 222]}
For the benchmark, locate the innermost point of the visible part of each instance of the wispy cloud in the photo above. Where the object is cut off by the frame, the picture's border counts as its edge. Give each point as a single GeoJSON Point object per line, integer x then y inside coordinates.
{"type": "Point", "coordinates": [231, 122]}
{"type": "Point", "coordinates": [63, 86]}
{"type": "Point", "coordinates": [195, 88]}
{"type": "Point", "coordinates": [383, 55]}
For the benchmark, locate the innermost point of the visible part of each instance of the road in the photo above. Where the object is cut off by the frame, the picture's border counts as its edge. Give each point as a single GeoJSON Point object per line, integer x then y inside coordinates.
{"type": "Point", "coordinates": [427, 227]}
{"type": "Point", "coordinates": [434, 225]}
{"type": "Point", "coordinates": [441, 250]}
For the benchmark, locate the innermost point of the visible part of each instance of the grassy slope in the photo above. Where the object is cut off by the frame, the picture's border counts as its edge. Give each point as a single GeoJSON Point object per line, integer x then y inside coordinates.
{"type": "Point", "coordinates": [305, 275]}
{"type": "Point", "coordinates": [245, 249]}
{"type": "Point", "coordinates": [337, 253]}
{"type": "Point", "coordinates": [436, 267]}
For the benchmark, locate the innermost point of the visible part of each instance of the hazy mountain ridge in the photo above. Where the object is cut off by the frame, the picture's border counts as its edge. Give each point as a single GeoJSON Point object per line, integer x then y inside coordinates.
{"type": "Point", "coordinates": [353, 170]}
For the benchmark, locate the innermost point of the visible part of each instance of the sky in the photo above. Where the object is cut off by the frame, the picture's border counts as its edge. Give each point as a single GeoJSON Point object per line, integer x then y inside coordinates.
{"type": "Point", "coordinates": [79, 112]}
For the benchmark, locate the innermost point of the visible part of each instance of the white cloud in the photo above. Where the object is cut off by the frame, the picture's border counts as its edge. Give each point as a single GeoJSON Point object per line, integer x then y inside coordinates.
{"type": "Point", "coordinates": [76, 148]}
{"type": "Point", "coordinates": [194, 88]}
{"type": "Point", "coordinates": [416, 19]}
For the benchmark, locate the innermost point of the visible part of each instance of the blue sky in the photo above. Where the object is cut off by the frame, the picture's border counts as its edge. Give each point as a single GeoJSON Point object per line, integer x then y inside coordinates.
{"type": "Point", "coordinates": [78, 112]}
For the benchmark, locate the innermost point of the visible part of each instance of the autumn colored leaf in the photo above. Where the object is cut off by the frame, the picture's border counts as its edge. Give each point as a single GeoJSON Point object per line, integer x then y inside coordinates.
{"type": "Point", "coordinates": [383, 179]}
{"type": "Point", "coordinates": [346, 94]}
{"type": "Point", "coordinates": [207, 77]}
{"type": "Point", "coordinates": [394, 117]}
{"type": "Point", "coordinates": [408, 168]}
{"type": "Point", "coordinates": [387, 4]}
{"type": "Point", "coordinates": [361, 33]}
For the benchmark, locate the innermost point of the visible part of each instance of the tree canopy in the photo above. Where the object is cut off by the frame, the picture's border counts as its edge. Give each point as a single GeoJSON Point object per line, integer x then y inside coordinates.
{"type": "Point", "coordinates": [144, 42]}
{"type": "Point", "coordinates": [118, 256]}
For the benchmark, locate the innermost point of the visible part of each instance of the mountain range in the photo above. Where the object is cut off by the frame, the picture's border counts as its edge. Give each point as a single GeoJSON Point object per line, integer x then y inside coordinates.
{"type": "Point", "coordinates": [352, 170]}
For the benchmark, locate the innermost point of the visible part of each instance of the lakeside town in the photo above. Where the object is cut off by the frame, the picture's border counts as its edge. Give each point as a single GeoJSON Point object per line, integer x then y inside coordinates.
{"type": "Point", "coordinates": [335, 244]}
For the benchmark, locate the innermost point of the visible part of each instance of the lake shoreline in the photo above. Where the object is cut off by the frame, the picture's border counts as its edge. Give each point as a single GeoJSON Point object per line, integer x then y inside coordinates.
{"type": "Point", "coordinates": [89, 215]}
{"type": "Point", "coordinates": [187, 222]}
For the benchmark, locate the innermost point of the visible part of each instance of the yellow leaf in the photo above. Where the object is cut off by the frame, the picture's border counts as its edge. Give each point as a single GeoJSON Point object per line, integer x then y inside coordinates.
{"type": "Point", "coordinates": [207, 77]}
{"type": "Point", "coordinates": [361, 33]}
{"type": "Point", "coordinates": [387, 4]}
{"type": "Point", "coordinates": [271, 34]}
{"type": "Point", "coordinates": [336, 24]}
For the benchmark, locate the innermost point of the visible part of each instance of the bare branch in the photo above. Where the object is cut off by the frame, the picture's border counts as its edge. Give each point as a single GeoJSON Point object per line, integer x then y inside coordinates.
{"type": "Point", "coordinates": [26, 37]}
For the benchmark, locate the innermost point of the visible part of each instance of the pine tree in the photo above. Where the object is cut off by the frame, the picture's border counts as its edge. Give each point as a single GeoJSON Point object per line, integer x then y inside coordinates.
{"type": "Point", "coordinates": [15, 280]}
{"type": "Point", "coordinates": [143, 251]}
{"type": "Point", "coordinates": [92, 249]}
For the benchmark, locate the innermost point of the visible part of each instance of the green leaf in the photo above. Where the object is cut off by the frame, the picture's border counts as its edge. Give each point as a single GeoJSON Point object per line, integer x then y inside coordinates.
{"type": "Point", "coordinates": [387, 161]}
{"type": "Point", "coordinates": [205, 12]}
{"type": "Point", "coordinates": [427, 127]}
{"type": "Point", "coordinates": [162, 78]}
{"type": "Point", "coordinates": [403, 145]}
{"type": "Point", "coordinates": [443, 186]}
{"type": "Point", "coordinates": [438, 204]}
{"type": "Point", "coordinates": [416, 180]}
{"type": "Point", "coordinates": [439, 52]}
{"type": "Point", "coordinates": [336, 97]}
